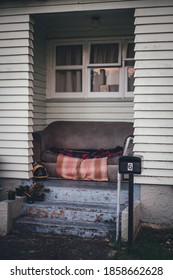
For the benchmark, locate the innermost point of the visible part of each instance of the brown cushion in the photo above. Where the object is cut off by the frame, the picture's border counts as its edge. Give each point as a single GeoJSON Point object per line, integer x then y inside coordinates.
{"type": "Point", "coordinates": [49, 156]}
{"type": "Point", "coordinates": [112, 172]}
{"type": "Point", "coordinates": [113, 160]}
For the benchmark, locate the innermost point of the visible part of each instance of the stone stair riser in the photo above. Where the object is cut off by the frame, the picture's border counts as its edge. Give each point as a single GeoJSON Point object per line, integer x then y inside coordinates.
{"type": "Point", "coordinates": [82, 196]}
{"type": "Point", "coordinates": [77, 213]}
{"type": "Point", "coordinates": [85, 196]}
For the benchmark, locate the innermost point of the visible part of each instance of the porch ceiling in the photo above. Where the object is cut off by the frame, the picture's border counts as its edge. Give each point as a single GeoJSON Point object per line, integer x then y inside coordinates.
{"type": "Point", "coordinates": [122, 20]}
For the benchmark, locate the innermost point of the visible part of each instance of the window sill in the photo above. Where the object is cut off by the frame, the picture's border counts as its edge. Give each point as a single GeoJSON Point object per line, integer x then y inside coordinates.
{"type": "Point", "coordinates": [115, 99]}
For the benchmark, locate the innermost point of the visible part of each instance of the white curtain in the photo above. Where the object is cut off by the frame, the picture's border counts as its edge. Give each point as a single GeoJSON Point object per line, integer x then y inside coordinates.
{"type": "Point", "coordinates": [104, 53]}
{"type": "Point", "coordinates": [69, 80]}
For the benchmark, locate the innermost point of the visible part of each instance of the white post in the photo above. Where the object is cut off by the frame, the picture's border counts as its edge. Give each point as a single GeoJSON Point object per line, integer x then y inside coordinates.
{"type": "Point", "coordinates": [118, 205]}
{"type": "Point", "coordinates": [119, 179]}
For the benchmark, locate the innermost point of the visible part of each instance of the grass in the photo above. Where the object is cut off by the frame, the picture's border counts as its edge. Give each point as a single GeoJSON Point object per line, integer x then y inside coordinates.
{"type": "Point", "coordinates": [150, 244]}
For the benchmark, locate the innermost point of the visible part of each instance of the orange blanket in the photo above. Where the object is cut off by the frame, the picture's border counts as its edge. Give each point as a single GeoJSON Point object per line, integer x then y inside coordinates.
{"type": "Point", "coordinates": [82, 169]}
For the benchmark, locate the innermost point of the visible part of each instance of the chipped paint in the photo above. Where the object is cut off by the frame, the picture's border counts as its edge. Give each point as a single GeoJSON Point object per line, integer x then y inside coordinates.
{"type": "Point", "coordinates": [74, 209]}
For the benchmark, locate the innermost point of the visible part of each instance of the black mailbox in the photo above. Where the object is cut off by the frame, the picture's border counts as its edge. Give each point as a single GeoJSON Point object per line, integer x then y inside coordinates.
{"type": "Point", "coordinates": [129, 165]}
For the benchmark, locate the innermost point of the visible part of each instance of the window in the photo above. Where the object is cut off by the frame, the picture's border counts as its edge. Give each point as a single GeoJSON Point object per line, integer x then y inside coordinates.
{"type": "Point", "coordinates": [104, 72]}
{"type": "Point", "coordinates": [90, 69]}
{"type": "Point", "coordinates": [68, 75]}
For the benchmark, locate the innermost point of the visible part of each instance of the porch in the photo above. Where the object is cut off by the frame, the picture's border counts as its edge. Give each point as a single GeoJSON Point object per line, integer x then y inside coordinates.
{"type": "Point", "coordinates": [25, 106]}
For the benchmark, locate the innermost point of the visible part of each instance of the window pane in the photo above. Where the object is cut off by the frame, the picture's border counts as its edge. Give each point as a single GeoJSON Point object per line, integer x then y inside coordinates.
{"type": "Point", "coordinates": [68, 81]}
{"type": "Point", "coordinates": [130, 50]}
{"type": "Point", "coordinates": [130, 79]}
{"type": "Point", "coordinates": [104, 79]}
{"type": "Point", "coordinates": [69, 55]}
{"type": "Point", "coordinates": [104, 53]}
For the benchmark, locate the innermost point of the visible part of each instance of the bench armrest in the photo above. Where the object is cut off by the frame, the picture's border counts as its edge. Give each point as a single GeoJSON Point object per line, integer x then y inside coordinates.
{"type": "Point", "coordinates": [128, 146]}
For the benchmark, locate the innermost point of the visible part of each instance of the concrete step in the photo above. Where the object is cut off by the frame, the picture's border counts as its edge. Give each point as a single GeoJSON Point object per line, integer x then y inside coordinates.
{"type": "Point", "coordinates": [84, 192]}
{"type": "Point", "coordinates": [81, 208]}
{"type": "Point", "coordinates": [71, 211]}
{"type": "Point", "coordinates": [47, 225]}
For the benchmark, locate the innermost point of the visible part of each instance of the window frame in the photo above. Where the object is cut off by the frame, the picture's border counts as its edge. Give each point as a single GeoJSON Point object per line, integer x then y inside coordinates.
{"type": "Point", "coordinates": [109, 94]}
{"type": "Point", "coordinates": [127, 93]}
{"type": "Point", "coordinates": [52, 68]}
{"type": "Point", "coordinates": [86, 66]}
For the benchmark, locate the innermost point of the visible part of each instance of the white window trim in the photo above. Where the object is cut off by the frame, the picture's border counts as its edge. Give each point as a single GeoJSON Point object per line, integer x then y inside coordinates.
{"type": "Point", "coordinates": [51, 68]}
{"type": "Point", "coordinates": [127, 93]}
{"type": "Point", "coordinates": [86, 93]}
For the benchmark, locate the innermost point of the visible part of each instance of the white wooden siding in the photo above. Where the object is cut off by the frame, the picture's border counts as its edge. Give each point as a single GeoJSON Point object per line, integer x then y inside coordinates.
{"type": "Point", "coordinates": [39, 80]}
{"type": "Point", "coordinates": [89, 111]}
{"type": "Point", "coordinates": [16, 82]}
{"type": "Point", "coordinates": [153, 101]}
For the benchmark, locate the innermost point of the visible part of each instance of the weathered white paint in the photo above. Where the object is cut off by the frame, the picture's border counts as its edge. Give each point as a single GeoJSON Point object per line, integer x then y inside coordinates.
{"type": "Point", "coordinates": [157, 64]}
{"type": "Point", "coordinates": [16, 52]}
{"type": "Point", "coordinates": [154, 28]}
{"type": "Point", "coordinates": [17, 43]}
{"type": "Point", "coordinates": [156, 10]}
{"type": "Point", "coordinates": [153, 72]}
{"type": "Point", "coordinates": [154, 131]}
{"type": "Point", "coordinates": [144, 38]}
{"type": "Point", "coordinates": [153, 19]}
{"type": "Point", "coordinates": [100, 111]}
{"type": "Point", "coordinates": [17, 159]}
{"type": "Point", "coordinates": [154, 115]}
{"type": "Point", "coordinates": [153, 101]}
{"type": "Point", "coordinates": [158, 98]}
{"type": "Point", "coordinates": [157, 156]}
{"type": "Point", "coordinates": [154, 139]}
{"type": "Point", "coordinates": [16, 35]}
{"type": "Point", "coordinates": [151, 46]}
{"type": "Point", "coordinates": [152, 55]}
{"type": "Point", "coordinates": [16, 151]}
{"type": "Point", "coordinates": [16, 129]}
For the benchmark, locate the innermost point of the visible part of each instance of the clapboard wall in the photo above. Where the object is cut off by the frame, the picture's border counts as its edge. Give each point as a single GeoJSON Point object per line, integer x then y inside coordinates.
{"type": "Point", "coordinates": [153, 101]}
{"type": "Point", "coordinates": [90, 111]}
{"type": "Point", "coordinates": [16, 75]}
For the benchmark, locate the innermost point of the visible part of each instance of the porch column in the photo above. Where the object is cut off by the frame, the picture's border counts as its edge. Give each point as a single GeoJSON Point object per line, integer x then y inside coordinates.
{"type": "Point", "coordinates": [153, 96]}
{"type": "Point", "coordinates": [153, 111]}
{"type": "Point", "coordinates": [16, 96]}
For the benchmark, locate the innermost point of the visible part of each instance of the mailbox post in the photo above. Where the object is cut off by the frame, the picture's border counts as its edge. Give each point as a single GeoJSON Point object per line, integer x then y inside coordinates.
{"type": "Point", "coordinates": [130, 165]}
